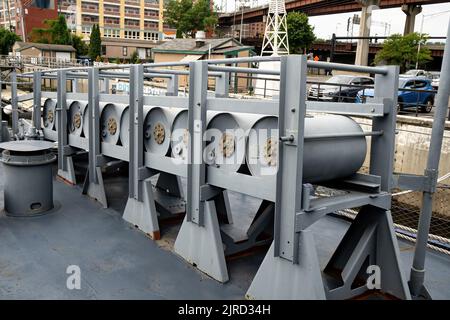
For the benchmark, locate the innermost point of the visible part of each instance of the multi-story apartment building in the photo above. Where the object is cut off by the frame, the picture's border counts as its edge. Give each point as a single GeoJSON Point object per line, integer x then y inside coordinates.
{"type": "Point", "coordinates": [126, 26]}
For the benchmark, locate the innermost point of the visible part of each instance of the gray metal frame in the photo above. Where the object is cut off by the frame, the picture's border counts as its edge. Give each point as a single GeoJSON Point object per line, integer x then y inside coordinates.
{"type": "Point", "coordinates": [2, 138]}
{"type": "Point", "coordinates": [290, 269]}
{"type": "Point", "coordinates": [293, 255]}
{"type": "Point", "coordinates": [93, 184]}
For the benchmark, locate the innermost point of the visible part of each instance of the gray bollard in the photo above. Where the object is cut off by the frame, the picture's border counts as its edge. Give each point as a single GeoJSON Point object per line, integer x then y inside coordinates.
{"type": "Point", "coordinates": [27, 166]}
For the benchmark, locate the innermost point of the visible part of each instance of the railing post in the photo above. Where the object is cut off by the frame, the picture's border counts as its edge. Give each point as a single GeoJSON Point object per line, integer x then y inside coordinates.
{"type": "Point", "coordinates": [198, 86]}
{"type": "Point", "coordinates": [14, 103]}
{"type": "Point", "coordinates": [136, 136]}
{"type": "Point", "coordinates": [172, 86]}
{"type": "Point", "coordinates": [222, 85]}
{"type": "Point", "coordinates": [1, 112]}
{"type": "Point", "coordinates": [61, 108]}
{"type": "Point", "coordinates": [37, 82]}
{"type": "Point", "coordinates": [416, 282]}
{"type": "Point", "coordinates": [94, 123]}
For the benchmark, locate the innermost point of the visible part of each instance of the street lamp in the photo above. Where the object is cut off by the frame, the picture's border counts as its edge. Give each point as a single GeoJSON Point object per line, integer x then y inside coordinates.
{"type": "Point", "coordinates": [421, 32]}
{"type": "Point", "coordinates": [337, 25]}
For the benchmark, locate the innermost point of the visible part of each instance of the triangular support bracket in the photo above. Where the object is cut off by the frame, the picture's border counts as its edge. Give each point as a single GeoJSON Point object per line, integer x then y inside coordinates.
{"type": "Point", "coordinates": [96, 190]}
{"type": "Point", "coordinates": [68, 176]}
{"type": "Point", "coordinates": [143, 214]}
{"type": "Point", "coordinates": [279, 278]}
{"type": "Point", "coordinates": [369, 246]}
{"type": "Point", "coordinates": [202, 245]}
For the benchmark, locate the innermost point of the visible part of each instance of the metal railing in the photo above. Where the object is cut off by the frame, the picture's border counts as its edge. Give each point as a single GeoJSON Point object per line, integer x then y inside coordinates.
{"type": "Point", "coordinates": [37, 62]}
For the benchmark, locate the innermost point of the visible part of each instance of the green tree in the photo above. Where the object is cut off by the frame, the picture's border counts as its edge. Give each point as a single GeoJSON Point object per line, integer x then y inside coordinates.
{"type": "Point", "coordinates": [7, 40]}
{"type": "Point", "coordinates": [95, 43]}
{"type": "Point", "coordinates": [134, 58]}
{"type": "Point", "coordinates": [300, 32]}
{"type": "Point", "coordinates": [403, 51]}
{"type": "Point", "coordinates": [59, 31]}
{"type": "Point", "coordinates": [80, 46]}
{"type": "Point", "coordinates": [55, 32]}
{"type": "Point", "coordinates": [188, 16]}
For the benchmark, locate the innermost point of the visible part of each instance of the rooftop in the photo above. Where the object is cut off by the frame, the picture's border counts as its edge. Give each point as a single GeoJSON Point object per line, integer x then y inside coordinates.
{"type": "Point", "coordinates": [189, 46]}
{"type": "Point", "coordinates": [43, 46]}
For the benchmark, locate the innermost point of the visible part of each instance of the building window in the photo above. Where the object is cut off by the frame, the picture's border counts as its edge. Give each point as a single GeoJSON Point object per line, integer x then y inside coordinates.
{"type": "Point", "coordinates": [148, 52]}
{"type": "Point", "coordinates": [151, 36]}
{"type": "Point", "coordinates": [86, 29]}
{"type": "Point", "coordinates": [111, 33]}
{"type": "Point", "coordinates": [103, 50]}
{"type": "Point", "coordinates": [124, 51]}
{"type": "Point", "coordinates": [132, 34]}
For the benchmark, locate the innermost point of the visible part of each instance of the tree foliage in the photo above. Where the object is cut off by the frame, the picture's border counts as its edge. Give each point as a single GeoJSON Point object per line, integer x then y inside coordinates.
{"type": "Point", "coordinates": [57, 32]}
{"type": "Point", "coordinates": [188, 16]}
{"type": "Point", "coordinates": [403, 51]}
{"type": "Point", "coordinates": [300, 32]}
{"type": "Point", "coordinates": [80, 46]}
{"type": "Point", "coordinates": [134, 58]}
{"type": "Point", "coordinates": [95, 43]}
{"type": "Point", "coordinates": [7, 40]}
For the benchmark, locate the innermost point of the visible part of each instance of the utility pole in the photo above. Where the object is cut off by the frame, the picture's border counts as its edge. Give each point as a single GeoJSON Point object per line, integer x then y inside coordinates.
{"type": "Point", "coordinates": [9, 15]}
{"type": "Point", "coordinates": [242, 21]}
{"type": "Point", "coordinates": [421, 32]}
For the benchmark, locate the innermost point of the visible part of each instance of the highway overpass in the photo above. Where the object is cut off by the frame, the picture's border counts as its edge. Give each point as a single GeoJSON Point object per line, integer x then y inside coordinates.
{"type": "Point", "coordinates": [316, 8]}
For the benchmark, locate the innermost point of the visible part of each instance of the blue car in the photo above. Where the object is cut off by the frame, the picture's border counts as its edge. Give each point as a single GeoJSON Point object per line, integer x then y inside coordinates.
{"type": "Point", "coordinates": [413, 91]}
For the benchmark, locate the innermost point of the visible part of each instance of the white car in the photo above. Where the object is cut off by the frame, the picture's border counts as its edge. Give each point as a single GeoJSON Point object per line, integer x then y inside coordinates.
{"type": "Point", "coordinates": [415, 73]}
{"type": "Point", "coordinates": [435, 78]}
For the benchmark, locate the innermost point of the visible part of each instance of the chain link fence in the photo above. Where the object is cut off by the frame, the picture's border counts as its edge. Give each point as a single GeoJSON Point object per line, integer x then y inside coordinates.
{"type": "Point", "coordinates": [406, 207]}
{"type": "Point", "coordinates": [412, 143]}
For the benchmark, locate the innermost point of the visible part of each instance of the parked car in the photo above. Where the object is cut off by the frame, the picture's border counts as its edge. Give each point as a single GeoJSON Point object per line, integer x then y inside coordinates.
{"type": "Point", "coordinates": [342, 88]}
{"type": "Point", "coordinates": [413, 92]}
{"type": "Point", "coordinates": [435, 79]}
{"type": "Point", "coordinates": [415, 73]}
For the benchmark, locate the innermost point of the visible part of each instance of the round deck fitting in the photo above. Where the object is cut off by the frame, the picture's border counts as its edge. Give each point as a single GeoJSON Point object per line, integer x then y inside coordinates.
{"type": "Point", "coordinates": [270, 152]}
{"type": "Point", "coordinates": [112, 126]}
{"type": "Point", "coordinates": [159, 134]}
{"type": "Point", "coordinates": [48, 114]}
{"type": "Point", "coordinates": [28, 189]}
{"type": "Point", "coordinates": [227, 145]}
{"type": "Point", "coordinates": [77, 120]}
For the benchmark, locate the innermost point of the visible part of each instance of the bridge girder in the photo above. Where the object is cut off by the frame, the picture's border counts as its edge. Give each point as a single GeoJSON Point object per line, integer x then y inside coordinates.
{"type": "Point", "coordinates": [320, 7]}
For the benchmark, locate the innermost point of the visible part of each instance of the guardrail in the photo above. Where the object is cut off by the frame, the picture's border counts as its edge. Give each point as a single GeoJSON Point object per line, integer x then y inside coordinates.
{"type": "Point", "coordinates": [36, 62]}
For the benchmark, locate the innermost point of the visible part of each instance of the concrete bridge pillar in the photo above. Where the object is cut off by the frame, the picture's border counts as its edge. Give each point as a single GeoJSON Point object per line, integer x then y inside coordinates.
{"type": "Point", "coordinates": [362, 51]}
{"type": "Point", "coordinates": [411, 12]}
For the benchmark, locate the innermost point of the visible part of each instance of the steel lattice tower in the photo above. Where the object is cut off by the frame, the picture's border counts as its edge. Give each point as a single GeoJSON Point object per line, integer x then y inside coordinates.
{"type": "Point", "coordinates": [275, 36]}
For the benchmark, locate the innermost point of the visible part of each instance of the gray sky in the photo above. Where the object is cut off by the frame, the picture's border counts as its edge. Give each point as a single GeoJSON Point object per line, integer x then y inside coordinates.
{"type": "Point", "coordinates": [436, 19]}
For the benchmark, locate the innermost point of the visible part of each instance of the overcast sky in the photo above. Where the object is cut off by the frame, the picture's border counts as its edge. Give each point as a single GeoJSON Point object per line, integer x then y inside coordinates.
{"type": "Point", "coordinates": [435, 23]}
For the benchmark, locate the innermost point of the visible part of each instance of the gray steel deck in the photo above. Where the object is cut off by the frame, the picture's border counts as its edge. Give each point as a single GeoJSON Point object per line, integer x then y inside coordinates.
{"type": "Point", "coordinates": [119, 262]}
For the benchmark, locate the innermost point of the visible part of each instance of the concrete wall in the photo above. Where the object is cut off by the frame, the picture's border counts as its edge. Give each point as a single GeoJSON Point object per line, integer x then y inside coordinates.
{"type": "Point", "coordinates": [412, 145]}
